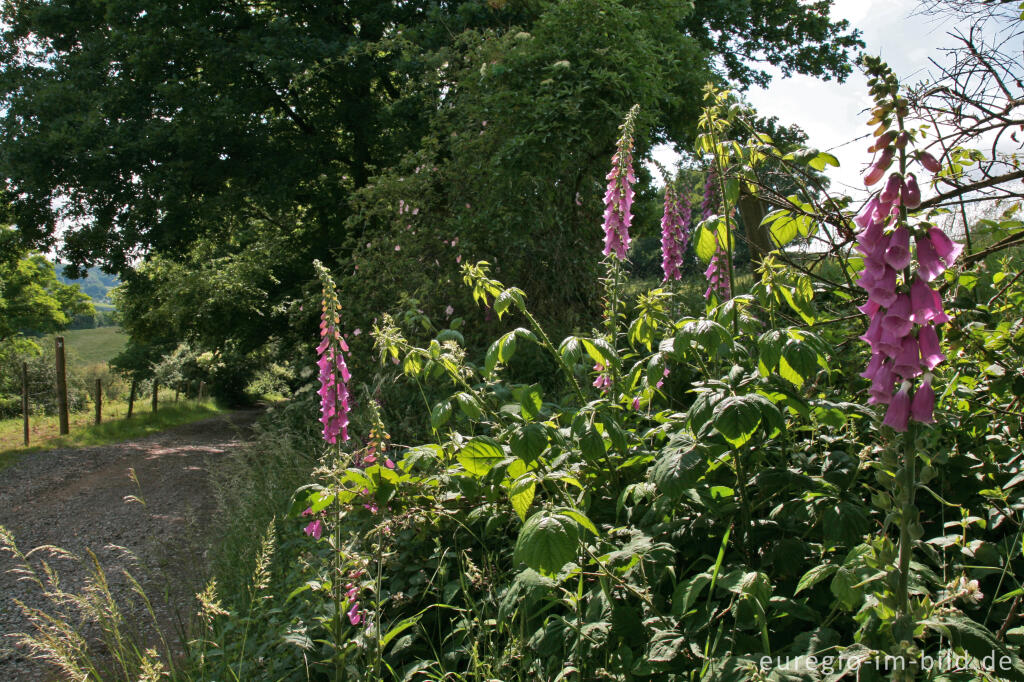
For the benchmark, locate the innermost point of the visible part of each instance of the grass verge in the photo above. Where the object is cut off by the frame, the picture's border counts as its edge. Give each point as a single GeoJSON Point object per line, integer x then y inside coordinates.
{"type": "Point", "coordinates": [144, 422]}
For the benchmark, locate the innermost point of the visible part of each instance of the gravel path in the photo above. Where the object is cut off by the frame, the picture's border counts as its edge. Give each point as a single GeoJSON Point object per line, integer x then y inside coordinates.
{"type": "Point", "coordinates": [76, 499]}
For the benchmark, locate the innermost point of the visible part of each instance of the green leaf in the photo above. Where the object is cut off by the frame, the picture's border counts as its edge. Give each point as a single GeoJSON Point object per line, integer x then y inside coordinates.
{"type": "Point", "coordinates": [822, 159]}
{"type": "Point", "coordinates": [530, 400]}
{"type": "Point", "coordinates": [521, 494]}
{"type": "Point", "coordinates": [480, 455]}
{"type": "Point", "coordinates": [815, 576]}
{"type": "Point", "coordinates": [547, 542]}
{"type": "Point", "coordinates": [711, 234]}
{"type": "Point", "coordinates": [737, 418]}
{"type": "Point", "coordinates": [321, 500]}
{"type": "Point", "coordinates": [686, 593]}
{"type": "Point", "coordinates": [666, 646]}
{"type": "Point", "coordinates": [440, 415]}
{"type": "Point", "coordinates": [592, 444]}
{"type": "Point", "coordinates": [678, 469]}
{"type": "Point", "coordinates": [601, 352]}
{"type": "Point", "coordinates": [469, 405]}
{"type": "Point", "coordinates": [580, 518]}
{"type": "Point", "coordinates": [799, 362]}
{"type": "Point", "coordinates": [529, 442]}
{"type": "Point", "coordinates": [978, 641]}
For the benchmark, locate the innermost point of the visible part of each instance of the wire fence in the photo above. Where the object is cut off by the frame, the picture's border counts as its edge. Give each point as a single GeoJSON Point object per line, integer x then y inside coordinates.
{"type": "Point", "coordinates": [54, 398]}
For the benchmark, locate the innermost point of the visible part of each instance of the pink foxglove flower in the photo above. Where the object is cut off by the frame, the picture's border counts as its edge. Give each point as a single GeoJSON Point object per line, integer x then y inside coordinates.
{"type": "Point", "coordinates": [315, 529]}
{"type": "Point", "coordinates": [603, 381]}
{"type": "Point", "coordinates": [929, 162]}
{"type": "Point", "coordinates": [334, 375]}
{"type": "Point", "coordinates": [898, 413]}
{"type": "Point", "coordinates": [675, 232]}
{"type": "Point", "coordinates": [922, 406]}
{"type": "Point", "coordinates": [618, 198]}
{"type": "Point", "coordinates": [904, 310]}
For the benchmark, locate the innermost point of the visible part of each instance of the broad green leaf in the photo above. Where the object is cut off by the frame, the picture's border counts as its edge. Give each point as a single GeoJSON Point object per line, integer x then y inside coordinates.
{"type": "Point", "coordinates": [799, 362]}
{"type": "Point", "coordinates": [737, 418]}
{"type": "Point", "coordinates": [678, 469]}
{"type": "Point", "coordinates": [711, 235]}
{"type": "Point", "coordinates": [480, 455]}
{"type": "Point", "coordinates": [521, 494]}
{"type": "Point", "coordinates": [601, 352]}
{"type": "Point", "coordinates": [529, 442]}
{"type": "Point", "coordinates": [531, 401]}
{"type": "Point", "coordinates": [547, 542]}
{"type": "Point", "coordinates": [440, 415]}
{"type": "Point", "coordinates": [469, 405]}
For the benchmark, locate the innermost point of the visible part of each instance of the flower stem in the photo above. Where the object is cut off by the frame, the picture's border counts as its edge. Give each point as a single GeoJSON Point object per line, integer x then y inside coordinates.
{"type": "Point", "coordinates": [903, 628]}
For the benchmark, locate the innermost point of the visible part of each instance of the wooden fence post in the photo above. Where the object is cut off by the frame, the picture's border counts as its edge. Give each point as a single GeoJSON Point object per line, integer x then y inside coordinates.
{"type": "Point", "coordinates": [24, 397]}
{"type": "Point", "coordinates": [99, 400]}
{"type": "Point", "coordinates": [62, 386]}
{"type": "Point", "coordinates": [131, 400]}
{"type": "Point", "coordinates": [156, 389]}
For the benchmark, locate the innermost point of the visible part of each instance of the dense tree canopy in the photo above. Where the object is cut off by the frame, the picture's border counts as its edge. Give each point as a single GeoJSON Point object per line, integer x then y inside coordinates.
{"type": "Point", "coordinates": [197, 130]}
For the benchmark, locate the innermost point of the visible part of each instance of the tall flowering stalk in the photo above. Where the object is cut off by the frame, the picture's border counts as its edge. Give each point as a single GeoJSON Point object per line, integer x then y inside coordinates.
{"type": "Point", "coordinates": [334, 374]}
{"type": "Point", "coordinates": [675, 231]}
{"type": "Point", "coordinates": [618, 216]}
{"type": "Point", "coordinates": [905, 310]}
{"type": "Point", "coordinates": [618, 199]}
{"type": "Point", "coordinates": [717, 271]}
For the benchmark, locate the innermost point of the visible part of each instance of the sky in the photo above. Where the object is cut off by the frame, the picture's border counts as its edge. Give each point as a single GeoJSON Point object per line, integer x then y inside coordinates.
{"type": "Point", "coordinates": [832, 114]}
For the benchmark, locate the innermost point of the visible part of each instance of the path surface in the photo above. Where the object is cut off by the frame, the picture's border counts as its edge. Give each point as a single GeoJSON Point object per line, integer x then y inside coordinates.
{"type": "Point", "coordinates": [75, 499]}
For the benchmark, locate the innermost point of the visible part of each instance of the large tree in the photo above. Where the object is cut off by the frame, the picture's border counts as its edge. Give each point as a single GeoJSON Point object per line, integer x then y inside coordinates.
{"type": "Point", "coordinates": [143, 128]}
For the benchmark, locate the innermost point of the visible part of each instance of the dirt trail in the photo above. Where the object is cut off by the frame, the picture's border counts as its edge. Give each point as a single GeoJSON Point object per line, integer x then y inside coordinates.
{"type": "Point", "coordinates": [75, 499]}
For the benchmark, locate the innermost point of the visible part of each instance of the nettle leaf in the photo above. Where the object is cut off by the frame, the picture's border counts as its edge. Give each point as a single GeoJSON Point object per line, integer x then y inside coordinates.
{"type": "Point", "coordinates": [480, 455]}
{"type": "Point", "coordinates": [711, 234]}
{"type": "Point", "coordinates": [529, 442]}
{"type": "Point", "coordinates": [521, 494]}
{"type": "Point", "coordinates": [547, 542]}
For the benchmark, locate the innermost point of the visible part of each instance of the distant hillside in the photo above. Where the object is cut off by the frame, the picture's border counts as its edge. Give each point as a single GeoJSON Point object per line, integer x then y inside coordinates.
{"type": "Point", "coordinates": [96, 284]}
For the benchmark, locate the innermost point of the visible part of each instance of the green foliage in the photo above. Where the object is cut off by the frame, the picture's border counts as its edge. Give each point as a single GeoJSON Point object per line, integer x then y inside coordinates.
{"type": "Point", "coordinates": [32, 300]}
{"type": "Point", "coordinates": [233, 145]}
